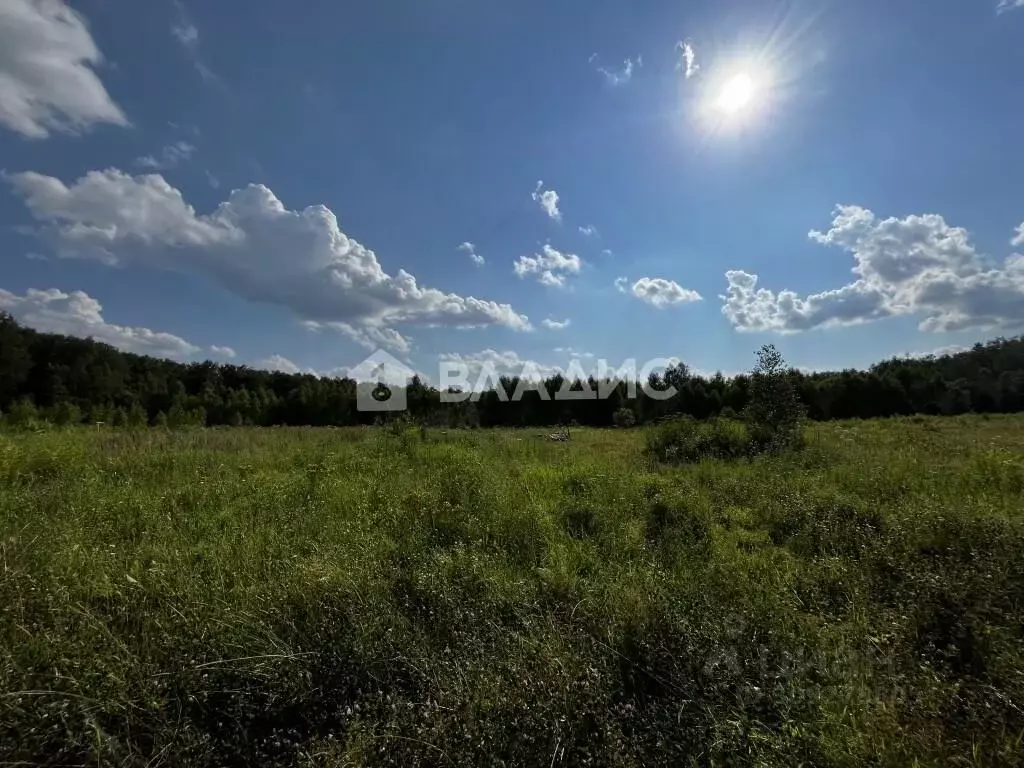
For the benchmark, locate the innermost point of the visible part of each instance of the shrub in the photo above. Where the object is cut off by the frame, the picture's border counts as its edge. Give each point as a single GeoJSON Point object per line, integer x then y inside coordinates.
{"type": "Point", "coordinates": [685, 440]}
{"type": "Point", "coordinates": [24, 414]}
{"type": "Point", "coordinates": [624, 418]}
{"type": "Point", "coordinates": [65, 413]}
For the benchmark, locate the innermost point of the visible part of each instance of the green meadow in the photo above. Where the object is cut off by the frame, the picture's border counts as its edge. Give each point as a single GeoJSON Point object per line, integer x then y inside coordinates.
{"type": "Point", "coordinates": [399, 596]}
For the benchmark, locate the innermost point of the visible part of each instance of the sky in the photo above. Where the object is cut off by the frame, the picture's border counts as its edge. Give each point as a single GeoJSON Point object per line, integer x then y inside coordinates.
{"type": "Point", "coordinates": [295, 186]}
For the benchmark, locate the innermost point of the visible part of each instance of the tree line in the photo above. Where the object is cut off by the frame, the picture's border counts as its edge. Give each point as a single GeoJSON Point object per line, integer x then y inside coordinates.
{"type": "Point", "coordinates": [65, 380]}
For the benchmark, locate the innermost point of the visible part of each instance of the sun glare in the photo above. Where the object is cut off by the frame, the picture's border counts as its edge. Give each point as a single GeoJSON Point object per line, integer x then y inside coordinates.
{"type": "Point", "coordinates": [736, 93]}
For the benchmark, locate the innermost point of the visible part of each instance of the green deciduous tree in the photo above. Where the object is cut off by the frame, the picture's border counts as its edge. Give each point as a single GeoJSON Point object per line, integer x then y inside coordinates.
{"type": "Point", "coordinates": [774, 411]}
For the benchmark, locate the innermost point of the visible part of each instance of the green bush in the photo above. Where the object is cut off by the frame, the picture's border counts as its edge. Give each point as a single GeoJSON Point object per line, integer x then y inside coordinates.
{"type": "Point", "coordinates": [23, 414]}
{"type": "Point", "coordinates": [65, 413]}
{"type": "Point", "coordinates": [624, 418]}
{"type": "Point", "coordinates": [684, 441]}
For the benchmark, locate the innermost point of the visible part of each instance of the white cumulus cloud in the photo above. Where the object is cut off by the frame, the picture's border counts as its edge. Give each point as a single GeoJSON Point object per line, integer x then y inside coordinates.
{"type": "Point", "coordinates": [47, 77]}
{"type": "Point", "coordinates": [251, 244]}
{"type": "Point", "coordinates": [548, 200]}
{"type": "Point", "coordinates": [918, 265]}
{"type": "Point", "coordinates": [550, 266]}
{"type": "Point", "coordinates": [79, 314]}
{"type": "Point", "coordinates": [278, 364]}
{"type": "Point", "coordinates": [657, 291]}
{"type": "Point", "coordinates": [227, 352]}
{"type": "Point", "coordinates": [1018, 239]}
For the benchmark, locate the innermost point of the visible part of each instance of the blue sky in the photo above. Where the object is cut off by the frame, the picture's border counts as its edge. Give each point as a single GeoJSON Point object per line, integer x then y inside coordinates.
{"type": "Point", "coordinates": [289, 185]}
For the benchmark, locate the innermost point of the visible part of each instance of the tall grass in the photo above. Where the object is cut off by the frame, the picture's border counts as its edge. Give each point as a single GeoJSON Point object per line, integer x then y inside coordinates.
{"type": "Point", "coordinates": [373, 597]}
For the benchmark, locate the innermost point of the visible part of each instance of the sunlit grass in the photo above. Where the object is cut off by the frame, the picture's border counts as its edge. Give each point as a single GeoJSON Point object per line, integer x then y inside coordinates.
{"type": "Point", "coordinates": [352, 596]}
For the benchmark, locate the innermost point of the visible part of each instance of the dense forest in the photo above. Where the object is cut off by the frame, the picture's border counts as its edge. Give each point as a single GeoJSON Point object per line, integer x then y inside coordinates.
{"type": "Point", "coordinates": [64, 380]}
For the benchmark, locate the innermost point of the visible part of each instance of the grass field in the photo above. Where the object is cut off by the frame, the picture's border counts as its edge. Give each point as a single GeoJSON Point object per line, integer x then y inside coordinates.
{"type": "Point", "coordinates": [357, 596]}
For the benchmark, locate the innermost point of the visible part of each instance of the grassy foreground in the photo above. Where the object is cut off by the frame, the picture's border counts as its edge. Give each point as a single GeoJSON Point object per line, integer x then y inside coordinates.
{"type": "Point", "coordinates": [351, 596]}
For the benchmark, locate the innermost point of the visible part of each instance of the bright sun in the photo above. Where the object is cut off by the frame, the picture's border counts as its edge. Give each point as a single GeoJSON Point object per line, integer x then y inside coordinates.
{"type": "Point", "coordinates": [736, 93]}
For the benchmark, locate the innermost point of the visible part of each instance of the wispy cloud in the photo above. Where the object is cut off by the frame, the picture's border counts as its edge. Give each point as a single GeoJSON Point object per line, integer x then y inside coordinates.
{"type": "Point", "coordinates": [170, 156]}
{"type": "Point", "coordinates": [588, 230]}
{"type": "Point", "coordinates": [571, 352]}
{"type": "Point", "coordinates": [369, 336]}
{"type": "Point", "coordinates": [556, 325]}
{"type": "Point", "coordinates": [186, 33]}
{"type": "Point", "coordinates": [623, 75]}
{"type": "Point", "coordinates": [470, 249]}
{"type": "Point", "coordinates": [687, 63]}
{"type": "Point", "coordinates": [1009, 5]}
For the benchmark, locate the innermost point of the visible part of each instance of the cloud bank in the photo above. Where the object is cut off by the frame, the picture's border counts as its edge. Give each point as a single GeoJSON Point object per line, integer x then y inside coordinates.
{"type": "Point", "coordinates": [251, 245]}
